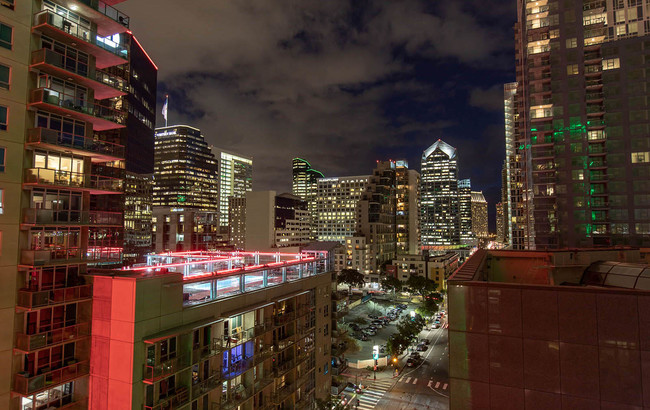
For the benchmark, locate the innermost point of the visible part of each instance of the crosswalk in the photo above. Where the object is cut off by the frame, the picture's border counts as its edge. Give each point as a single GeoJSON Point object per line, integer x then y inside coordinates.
{"type": "Point", "coordinates": [430, 383]}
{"type": "Point", "coordinates": [374, 393]}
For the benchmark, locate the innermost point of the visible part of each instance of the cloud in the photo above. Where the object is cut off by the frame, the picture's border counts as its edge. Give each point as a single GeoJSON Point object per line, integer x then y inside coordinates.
{"type": "Point", "coordinates": [331, 81]}
{"type": "Point", "coordinates": [490, 99]}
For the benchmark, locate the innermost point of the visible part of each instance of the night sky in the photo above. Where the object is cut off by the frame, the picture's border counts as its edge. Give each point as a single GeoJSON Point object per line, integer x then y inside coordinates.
{"type": "Point", "coordinates": [340, 83]}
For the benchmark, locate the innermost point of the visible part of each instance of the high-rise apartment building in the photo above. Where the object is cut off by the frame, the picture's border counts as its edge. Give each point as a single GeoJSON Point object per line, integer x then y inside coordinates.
{"type": "Point", "coordinates": [305, 186]}
{"type": "Point", "coordinates": [465, 217]}
{"type": "Point", "coordinates": [275, 221]}
{"type": "Point", "coordinates": [185, 170]}
{"type": "Point", "coordinates": [61, 184]}
{"type": "Point", "coordinates": [235, 179]}
{"type": "Point", "coordinates": [501, 223]}
{"type": "Point", "coordinates": [479, 215]}
{"type": "Point", "coordinates": [439, 204]}
{"type": "Point", "coordinates": [237, 222]}
{"type": "Point", "coordinates": [376, 218]}
{"type": "Point", "coordinates": [407, 207]}
{"type": "Point", "coordinates": [213, 330]}
{"type": "Point", "coordinates": [583, 122]}
{"type": "Point", "coordinates": [337, 206]}
{"type": "Point", "coordinates": [138, 216]}
{"type": "Point", "coordinates": [563, 329]}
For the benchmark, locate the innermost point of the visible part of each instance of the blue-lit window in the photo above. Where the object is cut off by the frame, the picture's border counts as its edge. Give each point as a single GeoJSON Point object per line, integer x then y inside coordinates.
{"type": "Point", "coordinates": [326, 369]}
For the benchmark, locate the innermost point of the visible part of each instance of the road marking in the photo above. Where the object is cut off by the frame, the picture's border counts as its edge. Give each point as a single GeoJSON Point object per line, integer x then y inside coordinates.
{"type": "Point", "coordinates": [400, 379]}
{"type": "Point", "coordinates": [429, 384]}
{"type": "Point", "coordinates": [437, 385]}
{"type": "Point", "coordinates": [408, 380]}
{"type": "Point", "coordinates": [415, 381]}
{"type": "Point", "coordinates": [444, 387]}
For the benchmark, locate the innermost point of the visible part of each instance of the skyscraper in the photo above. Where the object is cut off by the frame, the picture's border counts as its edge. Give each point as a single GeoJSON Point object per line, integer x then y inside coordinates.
{"type": "Point", "coordinates": [407, 208]}
{"type": "Point", "coordinates": [305, 186]}
{"type": "Point", "coordinates": [337, 206]}
{"type": "Point", "coordinates": [440, 224]}
{"type": "Point", "coordinates": [61, 185]}
{"type": "Point", "coordinates": [185, 170]}
{"type": "Point", "coordinates": [583, 122]}
{"type": "Point", "coordinates": [479, 215]}
{"type": "Point", "coordinates": [235, 179]}
{"type": "Point", "coordinates": [467, 234]}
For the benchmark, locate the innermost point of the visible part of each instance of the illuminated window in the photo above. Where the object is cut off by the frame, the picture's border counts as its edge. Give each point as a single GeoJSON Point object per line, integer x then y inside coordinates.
{"type": "Point", "coordinates": [2, 201]}
{"type": "Point", "coordinates": [8, 4]}
{"type": "Point", "coordinates": [611, 63]}
{"type": "Point", "coordinates": [572, 69]}
{"type": "Point", "coordinates": [621, 30]}
{"type": "Point", "coordinates": [578, 175]}
{"type": "Point", "coordinates": [6, 36]}
{"type": "Point", "coordinates": [572, 43]}
{"type": "Point", "coordinates": [640, 157]}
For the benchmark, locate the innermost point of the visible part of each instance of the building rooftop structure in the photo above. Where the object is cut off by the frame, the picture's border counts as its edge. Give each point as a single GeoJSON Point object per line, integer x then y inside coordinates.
{"type": "Point", "coordinates": [211, 275]}
{"type": "Point", "coordinates": [550, 329]}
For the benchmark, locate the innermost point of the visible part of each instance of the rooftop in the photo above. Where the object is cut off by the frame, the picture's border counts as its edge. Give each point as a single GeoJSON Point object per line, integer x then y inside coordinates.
{"type": "Point", "coordinates": [442, 146]}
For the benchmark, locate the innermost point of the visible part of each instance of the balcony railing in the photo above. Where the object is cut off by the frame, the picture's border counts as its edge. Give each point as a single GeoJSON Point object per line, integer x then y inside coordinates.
{"type": "Point", "coordinates": [204, 352]}
{"type": "Point", "coordinates": [32, 299]}
{"type": "Point", "coordinates": [237, 396]}
{"type": "Point", "coordinates": [102, 150]}
{"type": "Point", "coordinates": [262, 384]}
{"type": "Point", "coordinates": [284, 318]}
{"type": "Point", "coordinates": [71, 217]}
{"type": "Point", "coordinates": [206, 385]}
{"type": "Point", "coordinates": [283, 367]}
{"type": "Point", "coordinates": [26, 384]}
{"type": "Point", "coordinates": [285, 341]}
{"type": "Point", "coordinates": [36, 257]}
{"type": "Point", "coordinates": [73, 29]}
{"type": "Point", "coordinates": [155, 372]}
{"type": "Point", "coordinates": [104, 84]}
{"type": "Point", "coordinates": [108, 11]}
{"type": "Point", "coordinates": [174, 399]}
{"type": "Point", "coordinates": [28, 343]}
{"type": "Point", "coordinates": [44, 176]}
{"type": "Point", "coordinates": [280, 395]}
{"type": "Point", "coordinates": [86, 109]}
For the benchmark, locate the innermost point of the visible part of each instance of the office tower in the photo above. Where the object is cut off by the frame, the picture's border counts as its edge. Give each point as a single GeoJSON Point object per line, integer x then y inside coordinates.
{"type": "Point", "coordinates": [376, 216]}
{"type": "Point", "coordinates": [436, 268]}
{"type": "Point", "coordinates": [549, 330]}
{"type": "Point", "coordinates": [61, 189]}
{"type": "Point", "coordinates": [501, 223]}
{"type": "Point", "coordinates": [138, 217]}
{"type": "Point", "coordinates": [237, 224]}
{"type": "Point", "coordinates": [439, 204]}
{"type": "Point", "coordinates": [407, 185]}
{"type": "Point", "coordinates": [479, 215]}
{"type": "Point", "coordinates": [185, 170]}
{"type": "Point", "coordinates": [305, 186]}
{"type": "Point", "coordinates": [336, 201]}
{"type": "Point", "coordinates": [467, 235]}
{"type": "Point", "coordinates": [187, 229]}
{"type": "Point", "coordinates": [275, 221]}
{"type": "Point", "coordinates": [584, 121]}
{"type": "Point", "coordinates": [214, 330]}
{"type": "Point", "coordinates": [235, 179]}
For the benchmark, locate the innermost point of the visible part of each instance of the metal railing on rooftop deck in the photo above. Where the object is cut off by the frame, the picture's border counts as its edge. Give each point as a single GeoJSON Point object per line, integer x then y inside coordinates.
{"type": "Point", "coordinates": [108, 11]}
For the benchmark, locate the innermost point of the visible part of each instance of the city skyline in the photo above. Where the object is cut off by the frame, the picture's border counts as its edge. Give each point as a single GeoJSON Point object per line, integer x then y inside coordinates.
{"type": "Point", "coordinates": [387, 90]}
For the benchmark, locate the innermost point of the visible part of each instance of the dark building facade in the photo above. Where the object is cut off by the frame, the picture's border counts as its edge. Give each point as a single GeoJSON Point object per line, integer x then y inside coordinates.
{"type": "Point", "coordinates": [583, 121]}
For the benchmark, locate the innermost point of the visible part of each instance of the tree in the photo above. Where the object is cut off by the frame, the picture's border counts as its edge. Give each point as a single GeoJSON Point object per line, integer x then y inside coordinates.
{"type": "Point", "coordinates": [396, 344]}
{"type": "Point", "coordinates": [421, 285]}
{"type": "Point", "coordinates": [428, 308]}
{"type": "Point", "coordinates": [331, 403]}
{"type": "Point", "coordinates": [391, 284]}
{"type": "Point", "coordinates": [351, 277]}
{"type": "Point", "coordinates": [410, 327]}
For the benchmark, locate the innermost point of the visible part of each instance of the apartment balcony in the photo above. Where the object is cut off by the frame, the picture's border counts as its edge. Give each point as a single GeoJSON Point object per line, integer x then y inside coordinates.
{"type": "Point", "coordinates": [165, 368]}
{"type": "Point", "coordinates": [206, 385]}
{"type": "Point", "coordinates": [237, 397]}
{"type": "Point", "coordinates": [26, 384]}
{"type": "Point", "coordinates": [95, 184]}
{"type": "Point", "coordinates": [28, 299]}
{"type": "Point", "coordinates": [52, 217]}
{"type": "Point", "coordinates": [284, 318]}
{"type": "Point", "coordinates": [205, 352]}
{"type": "Point", "coordinates": [109, 20]}
{"type": "Point", "coordinates": [29, 343]}
{"type": "Point", "coordinates": [284, 342]}
{"type": "Point", "coordinates": [106, 52]}
{"type": "Point", "coordinates": [305, 402]}
{"type": "Point", "coordinates": [52, 256]}
{"type": "Point", "coordinates": [173, 400]}
{"type": "Point", "coordinates": [103, 117]}
{"type": "Point", "coordinates": [266, 352]}
{"type": "Point", "coordinates": [262, 384]}
{"type": "Point", "coordinates": [97, 150]}
{"type": "Point", "coordinates": [103, 84]}
{"type": "Point", "coordinates": [283, 367]}
{"type": "Point", "coordinates": [281, 394]}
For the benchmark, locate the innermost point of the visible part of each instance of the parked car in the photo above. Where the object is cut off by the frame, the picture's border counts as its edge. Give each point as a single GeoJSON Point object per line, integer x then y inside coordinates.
{"type": "Point", "coordinates": [353, 388]}
{"type": "Point", "coordinates": [415, 355]}
{"type": "Point", "coordinates": [425, 341]}
{"type": "Point", "coordinates": [369, 332]}
{"type": "Point", "coordinates": [411, 362]}
{"type": "Point", "coordinates": [354, 326]}
{"type": "Point", "coordinates": [435, 326]}
{"type": "Point", "coordinates": [421, 348]}
{"type": "Point", "coordinates": [437, 321]}
{"type": "Point", "coordinates": [372, 316]}
{"type": "Point", "coordinates": [361, 336]}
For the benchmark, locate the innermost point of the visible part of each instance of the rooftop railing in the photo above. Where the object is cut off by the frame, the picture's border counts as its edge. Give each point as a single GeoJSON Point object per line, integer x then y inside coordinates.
{"type": "Point", "coordinates": [108, 11]}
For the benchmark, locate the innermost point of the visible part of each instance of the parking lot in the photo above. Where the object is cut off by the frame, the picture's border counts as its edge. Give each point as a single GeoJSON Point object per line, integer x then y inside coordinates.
{"type": "Point", "coordinates": [361, 313]}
